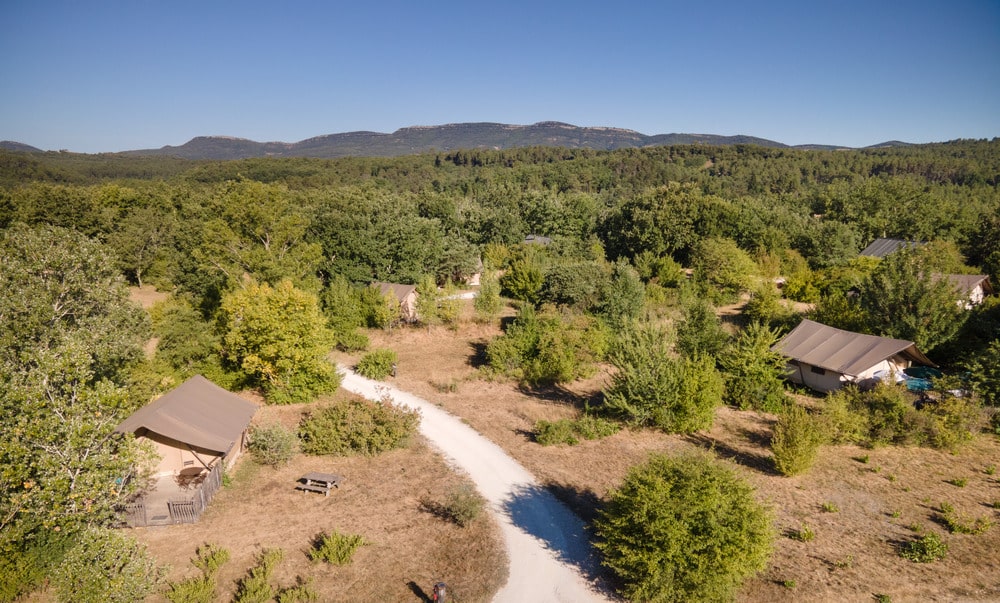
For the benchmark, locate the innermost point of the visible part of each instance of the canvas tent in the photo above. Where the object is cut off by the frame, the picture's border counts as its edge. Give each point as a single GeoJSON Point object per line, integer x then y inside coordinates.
{"type": "Point", "coordinates": [879, 248]}
{"type": "Point", "coordinates": [193, 426]}
{"type": "Point", "coordinates": [406, 295]}
{"type": "Point", "coordinates": [972, 288]}
{"type": "Point", "coordinates": [825, 359]}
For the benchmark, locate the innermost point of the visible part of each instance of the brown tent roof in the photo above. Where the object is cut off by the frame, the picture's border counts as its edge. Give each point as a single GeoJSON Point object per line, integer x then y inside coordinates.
{"type": "Point", "coordinates": [879, 248]}
{"type": "Point", "coordinates": [396, 290]}
{"type": "Point", "coordinates": [197, 412]}
{"type": "Point", "coordinates": [843, 351]}
{"type": "Point", "coordinates": [966, 283]}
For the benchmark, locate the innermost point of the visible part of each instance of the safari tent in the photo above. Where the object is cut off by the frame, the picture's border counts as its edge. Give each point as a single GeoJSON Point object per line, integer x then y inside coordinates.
{"type": "Point", "coordinates": [193, 427]}
{"type": "Point", "coordinates": [825, 359]}
{"type": "Point", "coordinates": [406, 295]}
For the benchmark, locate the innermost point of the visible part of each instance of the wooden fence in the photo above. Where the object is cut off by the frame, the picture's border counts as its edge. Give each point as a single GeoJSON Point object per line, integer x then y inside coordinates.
{"type": "Point", "coordinates": [180, 510]}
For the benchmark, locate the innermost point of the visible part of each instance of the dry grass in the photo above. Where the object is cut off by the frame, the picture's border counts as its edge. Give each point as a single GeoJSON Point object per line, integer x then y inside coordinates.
{"type": "Point", "coordinates": [853, 555]}
{"type": "Point", "coordinates": [408, 550]}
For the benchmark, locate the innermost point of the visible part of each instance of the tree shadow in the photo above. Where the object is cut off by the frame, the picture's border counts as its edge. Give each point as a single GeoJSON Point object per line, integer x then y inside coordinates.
{"type": "Point", "coordinates": [556, 394]}
{"type": "Point", "coordinates": [582, 501]}
{"type": "Point", "coordinates": [759, 462]}
{"type": "Point", "coordinates": [415, 588]}
{"type": "Point", "coordinates": [478, 359]}
{"type": "Point", "coordinates": [537, 511]}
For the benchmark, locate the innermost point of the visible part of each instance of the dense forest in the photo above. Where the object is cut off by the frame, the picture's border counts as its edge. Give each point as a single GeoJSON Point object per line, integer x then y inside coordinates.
{"type": "Point", "coordinates": [659, 236]}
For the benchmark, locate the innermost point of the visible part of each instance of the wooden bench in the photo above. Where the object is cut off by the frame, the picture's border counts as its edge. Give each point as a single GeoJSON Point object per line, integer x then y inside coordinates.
{"type": "Point", "coordinates": [311, 488]}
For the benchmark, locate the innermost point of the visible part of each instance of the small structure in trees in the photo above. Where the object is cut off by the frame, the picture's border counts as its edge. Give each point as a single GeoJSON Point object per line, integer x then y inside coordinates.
{"type": "Point", "coordinates": [405, 295]}
{"type": "Point", "coordinates": [972, 288]}
{"type": "Point", "coordinates": [825, 359]}
{"type": "Point", "coordinates": [879, 248]}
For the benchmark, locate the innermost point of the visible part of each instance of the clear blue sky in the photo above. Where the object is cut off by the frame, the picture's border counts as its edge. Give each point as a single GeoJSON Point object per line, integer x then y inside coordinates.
{"type": "Point", "coordinates": [111, 76]}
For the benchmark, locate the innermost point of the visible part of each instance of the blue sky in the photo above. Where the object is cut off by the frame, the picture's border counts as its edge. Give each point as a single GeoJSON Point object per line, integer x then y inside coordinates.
{"type": "Point", "coordinates": [110, 76]}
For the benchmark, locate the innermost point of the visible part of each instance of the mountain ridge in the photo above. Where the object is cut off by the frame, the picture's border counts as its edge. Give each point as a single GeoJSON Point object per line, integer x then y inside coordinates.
{"type": "Point", "coordinates": [444, 138]}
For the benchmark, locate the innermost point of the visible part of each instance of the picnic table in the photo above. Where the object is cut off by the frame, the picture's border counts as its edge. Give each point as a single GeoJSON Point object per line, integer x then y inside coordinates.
{"type": "Point", "coordinates": [316, 481]}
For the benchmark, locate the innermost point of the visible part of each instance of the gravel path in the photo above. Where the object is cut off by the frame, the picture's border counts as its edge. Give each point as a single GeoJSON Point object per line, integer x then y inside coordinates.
{"type": "Point", "coordinates": [551, 559]}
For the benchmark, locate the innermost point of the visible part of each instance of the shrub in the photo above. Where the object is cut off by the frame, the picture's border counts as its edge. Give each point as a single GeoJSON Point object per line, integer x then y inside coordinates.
{"type": "Point", "coordinates": [351, 341]}
{"type": "Point", "coordinates": [357, 427]}
{"type": "Point", "coordinates": [273, 445]}
{"type": "Point", "coordinates": [960, 523]}
{"type": "Point", "coordinates": [256, 586]}
{"type": "Point", "coordinates": [303, 592]}
{"type": "Point", "coordinates": [200, 589]}
{"type": "Point", "coordinates": [683, 529]}
{"type": "Point", "coordinates": [829, 507]}
{"type": "Point", "coordinates": [550, 433]}
{"type": "Point", "coordinates": [754, 373]}
{"type": "Point", "coordinates": [106, 566]}
{"type": "Point", "coordinates": [803, 534]}
{"type": "Point", "coordinates": [26, 561]}
{"type": "Point", "coordinates": [377, 364]}
{"type": "Point", "coordinates": [924, 549]}
{"type": "Point", "coordinates": [463, 505]}
{"type": "Point", "coordinates": [652, 387]}
{"type": "Point", "coordinates": [796, 441]}
{"type": "Point", "coordinates": [335, 548]}
{"type": "Point", "coordinates": [566, 431]}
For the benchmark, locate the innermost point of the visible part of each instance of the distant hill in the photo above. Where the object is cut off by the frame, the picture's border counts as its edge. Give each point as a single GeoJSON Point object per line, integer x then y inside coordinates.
{"type": "Point", "coordinates": [449, 137]}
{"type": "Point", "coordinates": [10, 145]}
{"type": "Point", "coordinates": [422, 139]}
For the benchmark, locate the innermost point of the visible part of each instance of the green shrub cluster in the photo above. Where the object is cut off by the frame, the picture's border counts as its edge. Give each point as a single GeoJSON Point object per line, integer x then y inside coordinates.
{"type": "Point", "coordinates": [377, 364]}
{"type": "Point", "coordinates": [925, 549]}
{"type": "Point", "coordinates": [273, 445]}
{"type": "Point", "coordinates": [463, 505]}
{"type": "Point", "coordinates": [106, 566]}
{"type": "Point", "coordinates": [683, 528]}
{"type": "Point", "coordinates": [886, 415]}
{"type": "Point", "coordinates": [548, 347]}
{"type": "Point", "coordinates": [335, 548]}
{"type": "Point", "coordinates": [26, 561]}
{"type": "Point", "coordinates": [569, 431]}
{"type": "Point", "coordinates": [960, 523]}
{"type": "Point", "coordinates": [357, 427]}
{"type": "Point", "coordinates": [796, 441]}
{"type": "Point", "coordinates": [256, 586]}
{"type": "Point", "coordinates": [200, 589]}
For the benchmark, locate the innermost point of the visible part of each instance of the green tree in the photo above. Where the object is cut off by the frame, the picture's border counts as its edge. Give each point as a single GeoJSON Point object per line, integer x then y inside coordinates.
{"type": "Point", "coordinates": [699, 331]}
{"type": "Point", "coordinates": [68, 337]}
{"type": "Point", "coordinates": [796, 440]}
{"type": "Point", "coordinates": [652, 387]}
{"type": "Point", "coordinates": [278, 338]}
{"type": "Point", "coordinates": [901, 299]}
{"type": "Point", "coordinates": [488, 302]}
{"type": "Point", "coordinates": [683, 529]}
{"type": "Point", "coordinates": [722, 269]}
{"type": "Point", "coordinates": [107, 566]}
{"type": "Point", "coordinates": [622, 297]}
{"type": "Point", "coordinates": [256, 230]}
{"type": "Point", "coordinates": [523, 281]}
{"type": "Point", "coordinates": [753, 371]}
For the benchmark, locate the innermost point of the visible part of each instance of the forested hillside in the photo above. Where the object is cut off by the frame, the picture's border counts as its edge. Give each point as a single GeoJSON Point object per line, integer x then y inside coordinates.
{"type": "Point", "coordinates": [632, 247]}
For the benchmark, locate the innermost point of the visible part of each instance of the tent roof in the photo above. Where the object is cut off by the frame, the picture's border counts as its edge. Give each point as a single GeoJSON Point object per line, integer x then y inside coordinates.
{"type": "Point", "coordinates": [400, 292]}
{"type": "Point", "coordinates": [966, 283]}
{"type": "Point", "coordinates": [879, 248]}
{"type": "Point", "coordinates": [843, 351]}
{"type": "Point", "coordinates": [197, 412]}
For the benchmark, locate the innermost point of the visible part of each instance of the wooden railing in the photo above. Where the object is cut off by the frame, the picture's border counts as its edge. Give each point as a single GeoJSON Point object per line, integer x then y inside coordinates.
{"type": "Point", "coordinates": [180, 510]}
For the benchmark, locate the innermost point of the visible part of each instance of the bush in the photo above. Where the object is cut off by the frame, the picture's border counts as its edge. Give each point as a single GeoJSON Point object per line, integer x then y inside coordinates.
{"type": "Point", "coordinates": [357, 427]}
{"type": "Point", "coordinates": [200, 589]}
{"type": "Point", "coordinates": [652, 387]}
{"type": "Point", "coordinates": [377, 364]}
{"type": "Point", "coordinates": [106, 566]}
{"type": "Point", "coordinates": [924, 549]}
{"type": "Point", "coordinates": [256, 586]}
{"type": "Point", "coordinates": [26, 561]}
{"type": "Point", "coordinates": [796, 441]}
{"type": "Point", "coordinates": [463, 504]}
{"type": "Point", "coordinates": [335, 548]}
{"type": "Point", "coordinates": [351, 341]}
{"type": "Point", "coordinates": [273, 445]}
{"type": "Point", "coordinates": [683, 528]}
{"type": "Point", "coordinates": [960, 523]}
{"type": "Point", "coordinates": [567, 431]}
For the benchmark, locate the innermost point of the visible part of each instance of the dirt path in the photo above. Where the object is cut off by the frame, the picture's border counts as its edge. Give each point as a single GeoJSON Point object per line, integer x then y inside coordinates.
{"type": "Point", "coordinates": [550, 556]}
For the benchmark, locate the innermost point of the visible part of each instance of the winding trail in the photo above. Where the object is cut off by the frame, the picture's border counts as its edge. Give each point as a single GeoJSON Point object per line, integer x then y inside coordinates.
{"type": "Point", "coordinates": [551, 559]}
